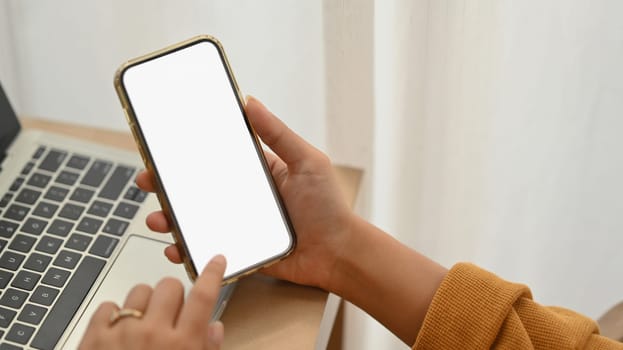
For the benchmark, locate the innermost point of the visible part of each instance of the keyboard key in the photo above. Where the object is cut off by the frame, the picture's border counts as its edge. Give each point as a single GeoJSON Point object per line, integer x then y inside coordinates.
{"type": "Point", "coordinates": [37, 262]}
{"type": "Point", "coordinates": [115, 227]}
{"type": "Point", "coordinates": [45, 209]}
{"type": "Point", "coordinates": [26, 280]}
{"type": "Point", "coordinates": [7, 228]}
{"type": "Point", "coordinates": [60, 227]}
{"type": "Point", "coordinates": [11, 260]}
{"type": "Point", "coordinates": [38, 152]}
{"type": "Point", "coordinates": [5, 199]}
{"type": "Point", "coordinates": [53, 160]}
{"type": "Point", "coordinates": [20, 333]}
{"type": "Point", "coordinates": [67, 259]}
{"type": "Point", "coordinates": [135, 194]}
{"type": "Point", "coordinates": [13, 298]}
{"type": "Point", "coordinates": [100, 208]}
{"type": "Point", "coordinates": [71, 211]}
{"type": "Point", "coordinates": [16, 184]}
{"type": "Point", "coordinates": [126, 210]}
{"type": "Point", "coordinates": [3, 244]}
{"type": "Point", "coordinates": [78, 242]}
{"type": "Point", "coordinates": [103, 246]}
{"type": "Point", "coordinates": [28, 196]}
{"type": "Point", "coordinates": [28, 168]}
{"type": "Point", "coordinates": [39, 180]}
{"type": "Point", "coordinates": [55, 277]}
{"type": "Point", "coordinates": [22, 243]}
{"type": "Point", "coordinates": [56, 193]}
{"type": "Point", "coordinates": [96, 174]}
{"type": "Point", "coordinates": [32, 314]}
{"type": "Point", "coordinates": [6, 316]}
{"type": "Point", "coordinates": [89, 225]}
{"type": "Point", "coordinates": [44, 295]}
{"type": "Point", "coordinates": [16, 212]}
{"type": "Point", "coordinates": [82, 195]}
{"type": "Point", "coordinates": [68, 302]}
{"type": "Point", "coordinates": [7, 346]}
{"type": "Point", "coordinates": [5, 277]}
{"type": "Point", "coordinates": [78, 162]}
{"type": "Point", "coordinates": [116, 183]}
{"type": "Point", "coordinates": [49, 245]}
{"type": "Point", "coordinates": [67, 178]}
{"type": "Point", "coordinates": [33, 226]}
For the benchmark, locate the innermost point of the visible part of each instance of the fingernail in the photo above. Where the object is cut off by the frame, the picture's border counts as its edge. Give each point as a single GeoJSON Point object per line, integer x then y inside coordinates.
{"type": "Point", "coordinates": [218, 259]}
{"type": "Point", "coordinates": [216, 333]}
{"type": "Point", "coordinates": [248, 98]}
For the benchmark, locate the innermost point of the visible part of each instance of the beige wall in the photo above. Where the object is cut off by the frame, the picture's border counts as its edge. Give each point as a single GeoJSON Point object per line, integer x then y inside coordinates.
{"type": "Point", "coordinates": [67, 51]}
{"type": "Point", "coordinates": [7, 65]}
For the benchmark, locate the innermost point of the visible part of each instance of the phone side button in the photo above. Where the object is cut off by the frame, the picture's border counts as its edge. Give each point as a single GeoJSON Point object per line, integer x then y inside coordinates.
{"type": "Point", "coordinates": [137, 140]}
{"type": "Point", "coordinates": [127, 116]}
{"type": "Point", "coordinates": [143, 157]}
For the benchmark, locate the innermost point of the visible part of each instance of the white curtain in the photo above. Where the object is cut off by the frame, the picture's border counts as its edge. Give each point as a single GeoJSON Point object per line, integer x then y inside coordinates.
{"type": "Point", "coordinates": [495, 139]}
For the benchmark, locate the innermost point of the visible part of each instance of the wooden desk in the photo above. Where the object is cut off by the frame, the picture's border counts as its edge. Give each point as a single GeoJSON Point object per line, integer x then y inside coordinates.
{"type": "Point", "coordinates": [264, 313]}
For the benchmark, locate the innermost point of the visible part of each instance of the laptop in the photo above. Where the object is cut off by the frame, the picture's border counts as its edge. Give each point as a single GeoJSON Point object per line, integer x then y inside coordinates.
{"type": "Point", "coordinates": [72, 235]}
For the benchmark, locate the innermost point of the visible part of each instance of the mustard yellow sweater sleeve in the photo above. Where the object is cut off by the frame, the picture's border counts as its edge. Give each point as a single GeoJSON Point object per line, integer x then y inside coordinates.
{"type": "Point", "coordinates": [474, 309]}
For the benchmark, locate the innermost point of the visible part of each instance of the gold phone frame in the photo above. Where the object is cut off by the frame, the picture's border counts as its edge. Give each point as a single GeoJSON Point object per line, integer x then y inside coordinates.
{"type": "Point", "coordinates": [149, 163]}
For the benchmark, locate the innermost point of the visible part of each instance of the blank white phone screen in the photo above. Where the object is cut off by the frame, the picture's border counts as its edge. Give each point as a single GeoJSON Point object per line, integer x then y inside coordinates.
{"type": "Point", "coordinates": [193, 126]}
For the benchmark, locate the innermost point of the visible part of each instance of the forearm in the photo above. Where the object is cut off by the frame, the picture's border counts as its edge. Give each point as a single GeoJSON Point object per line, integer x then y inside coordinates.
{"type": "Point", "coordinates": [388, 280]}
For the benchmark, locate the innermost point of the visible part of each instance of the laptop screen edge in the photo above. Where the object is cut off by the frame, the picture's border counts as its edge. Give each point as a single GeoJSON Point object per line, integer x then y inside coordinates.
{"type": "Point", "coordinates": [9, 124]}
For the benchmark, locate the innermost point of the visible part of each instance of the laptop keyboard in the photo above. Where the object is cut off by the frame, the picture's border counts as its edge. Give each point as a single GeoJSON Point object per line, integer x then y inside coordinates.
{"type": "Point", "coordinates": [60, 221]}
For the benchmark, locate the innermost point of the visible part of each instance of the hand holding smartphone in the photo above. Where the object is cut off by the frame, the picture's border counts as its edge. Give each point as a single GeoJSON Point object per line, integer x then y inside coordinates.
{"type": "Point", "coordinates": [187, 117]}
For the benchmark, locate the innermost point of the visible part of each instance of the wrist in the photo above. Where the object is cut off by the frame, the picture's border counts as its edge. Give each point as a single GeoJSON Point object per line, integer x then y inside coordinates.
{"type": "Point", "coordinates": [348, 268]}
{"type": "Point", "coordinates": [330, 273]}
{"type": "Point", "coordinates": [391, 282]}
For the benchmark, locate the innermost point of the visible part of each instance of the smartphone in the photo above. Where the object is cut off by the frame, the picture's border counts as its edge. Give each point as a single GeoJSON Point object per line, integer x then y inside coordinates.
{"type": "Point", "coordinates": [187, 116]}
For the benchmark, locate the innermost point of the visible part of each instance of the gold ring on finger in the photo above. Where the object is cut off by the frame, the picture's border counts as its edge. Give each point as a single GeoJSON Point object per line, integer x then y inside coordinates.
{"type": "Point", "coordinates": [123, 313]}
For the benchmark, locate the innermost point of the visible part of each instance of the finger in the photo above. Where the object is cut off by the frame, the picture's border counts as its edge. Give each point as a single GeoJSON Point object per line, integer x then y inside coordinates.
{"type": "Point", "coordinates": [100, 322]}
{"type": "Point", "coordinates": [138, 298]}
{"type": "Point", "coordinates": [198, 309]}
{"type": "Point", "coordinates": [271, 158]}
{"type": "Point", "coordinates": [165, 302]}
{"type": "Point", "coordinates": [158, 222]}
{"type": "Point", "coordinates": [173, 254]}
{"type": "Point", "coordinates": [215, 335]}
{"type": "Point", "coordinates": [145, 181]}
{"type": "Point", "coordinates": [276, 135]}
{"type": "Point", "coordinates": [278, 169]}
{"type": "Point", "coordinates": [101, 317]}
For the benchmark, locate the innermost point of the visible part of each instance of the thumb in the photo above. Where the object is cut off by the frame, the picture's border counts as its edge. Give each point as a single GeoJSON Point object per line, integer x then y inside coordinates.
{"type": "Point", "coordinates": [286, 144]}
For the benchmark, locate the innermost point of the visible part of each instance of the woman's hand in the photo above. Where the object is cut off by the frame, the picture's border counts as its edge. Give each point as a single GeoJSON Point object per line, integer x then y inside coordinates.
{"type": "Point", "coordinates": [159, 318]}
{"type": "Point", "coordinates": [304, 176]}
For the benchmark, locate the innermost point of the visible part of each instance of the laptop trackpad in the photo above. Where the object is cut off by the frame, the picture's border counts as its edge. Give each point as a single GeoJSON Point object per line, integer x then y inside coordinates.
{"type": "Point", "coordinates": [141, 260]}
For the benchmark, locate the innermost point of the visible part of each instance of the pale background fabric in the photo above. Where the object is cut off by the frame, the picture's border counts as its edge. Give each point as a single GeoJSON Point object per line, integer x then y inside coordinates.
{"type": "Point", "coordinates": [489, 130]}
